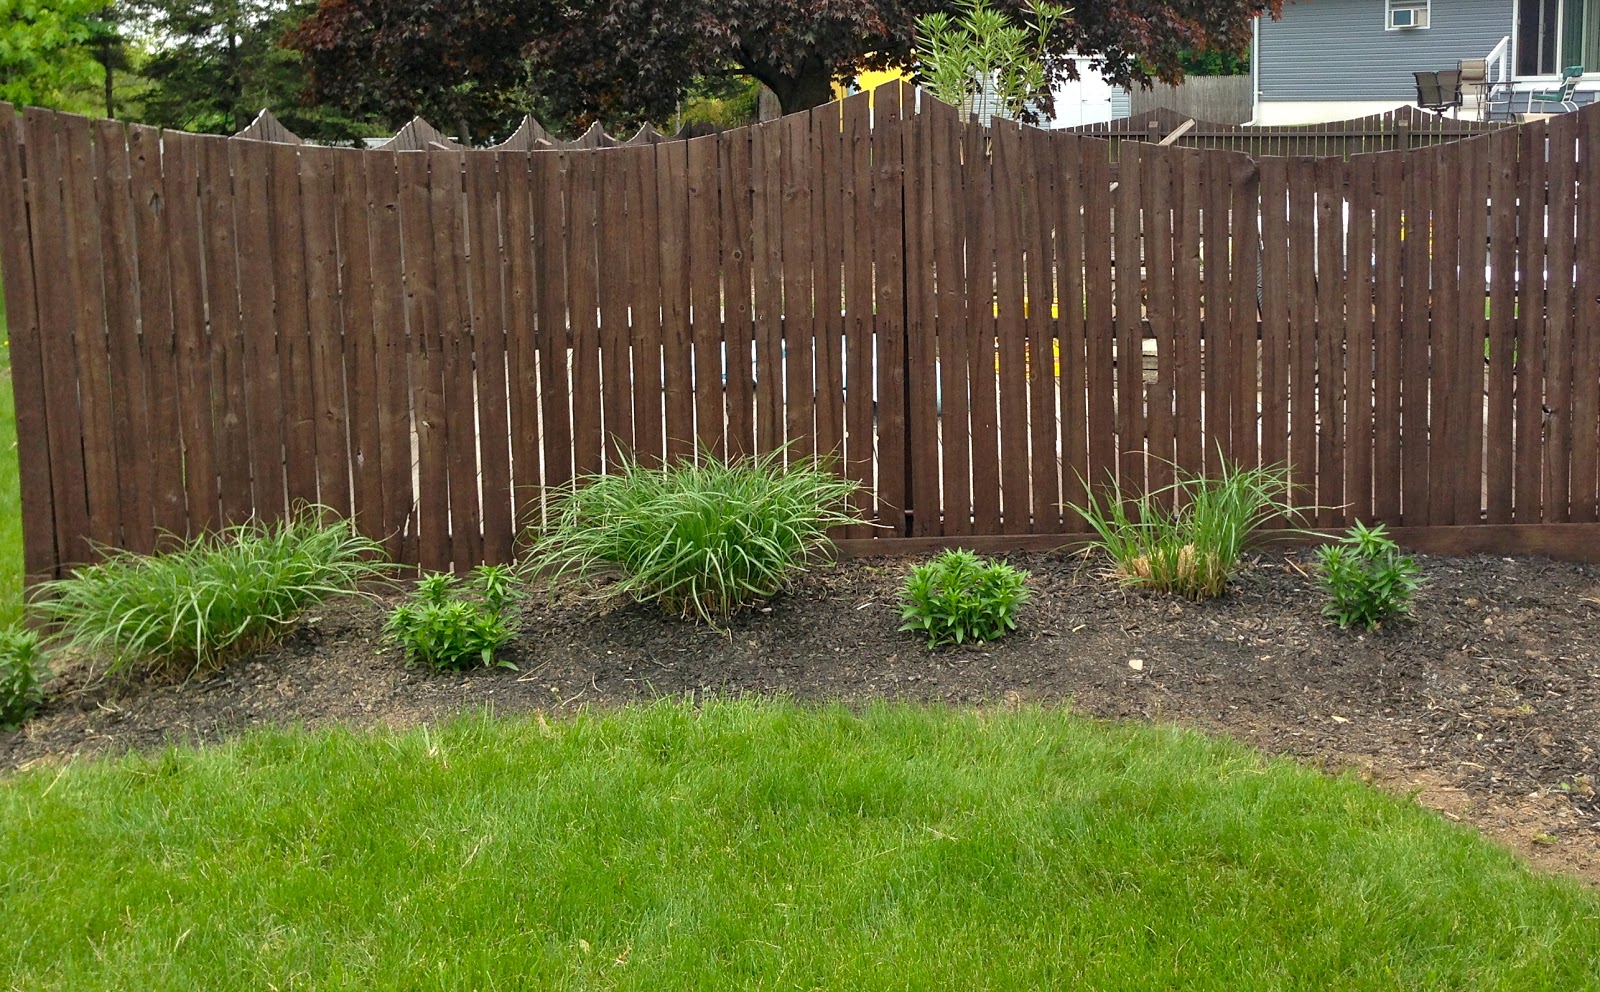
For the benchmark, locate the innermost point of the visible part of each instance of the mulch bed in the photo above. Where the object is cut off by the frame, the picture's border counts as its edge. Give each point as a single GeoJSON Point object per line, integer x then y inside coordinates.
{"type": "Point", "coordinates": [1487, 708]}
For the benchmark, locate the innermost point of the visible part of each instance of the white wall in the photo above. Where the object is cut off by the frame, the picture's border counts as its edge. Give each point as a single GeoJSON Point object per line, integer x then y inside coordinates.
{"type": "Point", "coordinates": [1319, 112]}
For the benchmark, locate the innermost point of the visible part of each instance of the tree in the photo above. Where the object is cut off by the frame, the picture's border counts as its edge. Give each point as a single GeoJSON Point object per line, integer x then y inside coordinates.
{"type": "Point", "coordinates": [1212, 63]}
{"type": "Point", "coordinates": [215, 63]}
{"type": "Point", "coordinates": [482, 62]}
{"type": "Point", "coordinates": [47, 52]}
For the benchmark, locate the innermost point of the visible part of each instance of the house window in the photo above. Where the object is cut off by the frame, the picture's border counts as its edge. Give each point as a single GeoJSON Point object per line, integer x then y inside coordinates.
{"type": "Point", "coordinates": [1553, 34]}
{"type": "Point", "coordinates": [1406, 15]}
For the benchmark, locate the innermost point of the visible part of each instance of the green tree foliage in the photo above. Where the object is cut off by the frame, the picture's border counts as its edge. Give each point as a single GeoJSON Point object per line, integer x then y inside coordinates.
{"type": "Point", "coordinates": [47, 52]}
{"type": "Point", "coordinates": [481, 64]}
{"type": "Point", "coordinates": [1212, 62]}
{"type": "Point", "coordinates": [213, 64]}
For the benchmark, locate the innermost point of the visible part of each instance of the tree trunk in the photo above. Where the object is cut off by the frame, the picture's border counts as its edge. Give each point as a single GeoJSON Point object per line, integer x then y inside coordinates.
{"type": "Point", "coordinates": [811, 86]}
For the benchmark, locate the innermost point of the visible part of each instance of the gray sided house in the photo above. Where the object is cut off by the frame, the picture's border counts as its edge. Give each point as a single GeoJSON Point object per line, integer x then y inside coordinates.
{"type": "Point", "coordinates": [1330, 60]}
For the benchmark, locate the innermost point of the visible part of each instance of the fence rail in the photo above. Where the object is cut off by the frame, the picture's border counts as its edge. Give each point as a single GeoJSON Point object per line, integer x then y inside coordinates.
{"type": "Point", "coordinates": [974, 322]}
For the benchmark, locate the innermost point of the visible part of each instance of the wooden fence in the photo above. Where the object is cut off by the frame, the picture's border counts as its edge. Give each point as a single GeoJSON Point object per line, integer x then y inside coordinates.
{"type": "Point", "coordinates": [974, 322]}
{"type": "Point", "coordinates": [1222, 99]}
{"type": "Point", "coordinates": [420, 136]}
{"type": "Point", "coordinates": [1396, 130]}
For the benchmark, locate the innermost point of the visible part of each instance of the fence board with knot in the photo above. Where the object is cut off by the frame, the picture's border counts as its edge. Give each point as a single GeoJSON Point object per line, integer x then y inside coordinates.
{"type": "Point", "coordinates": [978, 324]}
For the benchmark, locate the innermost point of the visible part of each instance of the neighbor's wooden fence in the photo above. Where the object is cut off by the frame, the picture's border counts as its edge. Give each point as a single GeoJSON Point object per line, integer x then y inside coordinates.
{"type": "Point", "coordinates": [1396, 130]}
{"type": "Point", "coordinates": [975, 322]}
{"type": "Point", "coordinates": [1223, 99]}
{"type": "Point", "coordinates": [420, 136]}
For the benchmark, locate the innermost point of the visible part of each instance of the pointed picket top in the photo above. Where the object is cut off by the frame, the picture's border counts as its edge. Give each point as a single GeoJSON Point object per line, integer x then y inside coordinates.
{"type": "Point", "coordinates": [418, 136]}
{"type": "Point", "coordinates": [646, 135]}
{"type": "Point", "coordinates": [268, 128]}
{"type": "Point", "coordinates": [595, 137]}
{"type": "Point", "coordinates": [528, 136]}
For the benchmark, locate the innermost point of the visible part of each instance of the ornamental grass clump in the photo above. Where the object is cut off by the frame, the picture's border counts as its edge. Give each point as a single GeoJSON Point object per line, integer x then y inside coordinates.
{"type": "Point", "coordinates": [19, 675]}
{"type": "Point", "coordinates": [698, 540]}
{"type": "Point", "coordinates": [1367, 579]}
{"type": "Point", "coordinates": [959, 597]}
{"type": "Point", "coordinates": [214, 598]}
{"type": "Point", "coordinates": [1186, 538]}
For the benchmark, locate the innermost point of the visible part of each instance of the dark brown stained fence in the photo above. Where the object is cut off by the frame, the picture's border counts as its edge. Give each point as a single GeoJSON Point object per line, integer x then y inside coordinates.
{"type": "Point", "coordinates": [978, 324]}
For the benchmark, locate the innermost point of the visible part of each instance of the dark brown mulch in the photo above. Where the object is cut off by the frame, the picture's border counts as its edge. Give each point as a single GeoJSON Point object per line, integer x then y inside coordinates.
{"type": "Point", "coordinates": [1487, 708]}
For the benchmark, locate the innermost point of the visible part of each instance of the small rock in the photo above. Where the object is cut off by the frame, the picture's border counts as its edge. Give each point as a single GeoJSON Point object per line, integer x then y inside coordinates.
{"type": "Point", "coordinates": [1137, 664]}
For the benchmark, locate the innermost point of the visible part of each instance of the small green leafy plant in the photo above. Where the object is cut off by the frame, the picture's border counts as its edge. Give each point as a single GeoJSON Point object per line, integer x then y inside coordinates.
{"type": "Point", "coordinates": [959, 597]}
{"type": "Point", "coordinates": [216, 597]}
{"type": "Point", "coordinates": [698, 540]}
{"type": "Point", "coordinates": [1193, 549]}
{"type": "Point", "coordinates": [19, 675]}
{"type": "Point", "coordinates": [1367, 579]}
{"type": "Point", "coordinates": [441, 628]}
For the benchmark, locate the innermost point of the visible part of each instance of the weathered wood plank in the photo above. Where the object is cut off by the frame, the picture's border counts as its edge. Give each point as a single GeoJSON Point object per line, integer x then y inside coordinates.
{"type": "Point", "coordinates": [17, 251]}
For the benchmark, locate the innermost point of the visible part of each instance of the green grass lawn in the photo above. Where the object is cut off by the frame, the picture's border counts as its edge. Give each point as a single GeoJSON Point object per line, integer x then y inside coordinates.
{"type": "Point", "coordinates": [763, 846]}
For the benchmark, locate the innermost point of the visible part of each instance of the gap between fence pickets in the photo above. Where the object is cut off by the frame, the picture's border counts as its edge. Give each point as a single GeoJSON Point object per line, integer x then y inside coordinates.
{"type": "Point", "coordinates": [1562, 542]}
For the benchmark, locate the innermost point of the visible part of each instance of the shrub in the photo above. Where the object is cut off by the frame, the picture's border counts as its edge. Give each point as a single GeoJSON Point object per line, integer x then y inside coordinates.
{"type": "Point", "coordinates": [698, 540]}
{"type": "Point", "coordinates": [19, 676]}
{"type": "Point", "coordinates": [959, 597]}
{"type": "Point", "coordinates": [440, 629]}
{"type": "Point", "coordinates": [1367, 579]}
{"type": "Point", "coordinates": [1194, 549]}
{"type": "Point", "coordinates": [215, 598]}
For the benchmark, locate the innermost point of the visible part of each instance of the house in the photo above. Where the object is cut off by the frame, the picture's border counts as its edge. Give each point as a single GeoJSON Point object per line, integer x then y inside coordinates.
{"type": "Point", "coordinates": [1330, 60]}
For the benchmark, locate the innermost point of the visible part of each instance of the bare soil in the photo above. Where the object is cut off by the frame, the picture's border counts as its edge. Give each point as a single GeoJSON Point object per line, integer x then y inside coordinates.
{"type": "Point", "coordinates": [1487, 708]}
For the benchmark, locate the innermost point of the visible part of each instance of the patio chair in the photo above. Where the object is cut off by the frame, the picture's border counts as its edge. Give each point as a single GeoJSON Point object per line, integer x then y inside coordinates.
{"type": "Point", "coordinates": [1474, 82]}
{"type": "Point", "coordinates": [1439, 91]}
{"type": "Point", "coordinates": [1558, 100]}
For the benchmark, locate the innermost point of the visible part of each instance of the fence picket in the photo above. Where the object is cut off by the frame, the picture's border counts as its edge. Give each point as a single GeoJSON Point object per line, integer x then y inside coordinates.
{"type": "Point", "coordinates": [391, 346]}
{"type": "Point", "coordinates": [1561, 246]}
{"type": "Point", "coordinates": [128, 400]}
{"type": "Point", "coordinates": [738, 328]}
{"type": "Point", "coordinates": [1038, 212]}
{"type": "Point", "coordinates": [888, 180]}
{"type": "Point", "coordinates": [1073, 384]}
{"type": "Point", "coordinates": [1160, 270]}
{"type": "Point", "coordinates": [490, 349]}
{"type": "Point", "coordinates": [17, 254]}
{"type": "Point", "coordinates": [229, 374]}
{"type": "Point", "coordinates": [1011, 353]}
{"type": "Point", "coordinates": [705, 294]}
{"type": "Point", "coordinates": [1275, 311]}
{"type": "Point", "coordinates": [427, 362]}
{"type": "Point", "coordinates": [1388, 233]}
{"type": "Point", "coordinates": [861, 437]}
{"type": "Point", "coordinates": [181, 175]}
{"type": "Point", "coordinates": [1586, 342]}
{"type": "Point", "coordinates": [1414, 410]}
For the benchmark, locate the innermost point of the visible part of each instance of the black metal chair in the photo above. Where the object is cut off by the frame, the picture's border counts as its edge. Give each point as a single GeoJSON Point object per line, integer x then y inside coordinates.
{"type": "Point", "coordinates": [1439, 91]}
